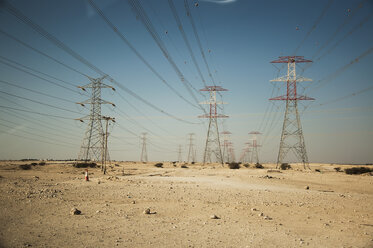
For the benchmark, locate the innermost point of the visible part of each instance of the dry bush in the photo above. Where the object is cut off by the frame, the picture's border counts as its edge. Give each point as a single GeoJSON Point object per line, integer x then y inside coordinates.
{"type": "Point", "coordinates": [285, 166]}
{"type": "Point", "coordinates": [234, 165]}
{"type": "Point", "coordinates": [357, 170]}
{"type": "Point", "coordinates": [184, 166]}
{"type": "Point", "coordinates": [159, 165]}
{"type": "Point", "coordinates": [337, 169]}
{"type": "Point", "coordinates": [246, 165]}
{"type": "Point", "coordinates": [25, 166]}
{"type": "Point", "coordinates": [85, 165]}
{"type": "Point", "coordinates": [42, 163]}
{"type": "Point", "coordinates": [259, 166]}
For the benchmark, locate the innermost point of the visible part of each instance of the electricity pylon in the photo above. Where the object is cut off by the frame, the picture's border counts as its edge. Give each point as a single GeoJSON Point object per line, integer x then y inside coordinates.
{"type": "Point", "coordinates": [179, 156]}
{"type": "Point", "coordinates": [255, 145]}
{"type": "Point", "coordinates": [191, 153]}
{"type": "Point", "coordinates": [292, 135]}
{"type": "Point", "coordinates": [144, 153]}
{"type": "Point", "coordinates": [225, 146]}
{"type": "Point", "coordinates": [231, 152]}
{"type": "Point", "coordinates": [105, 138]}
{"type": "Point", "coordinates": [212, 140]}
{"type": "Point", "coordinates": [245, 155]}
{"type": "Point", "coordinates": [92, 145]}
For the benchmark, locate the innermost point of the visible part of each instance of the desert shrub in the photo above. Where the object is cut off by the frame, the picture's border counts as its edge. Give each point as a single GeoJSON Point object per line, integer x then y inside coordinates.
{"type": "Point", "coordinates": [25, 166]}
{"type": "Point", "coordinates": [246, 165]}
{"type": "Point", "coordinates": [174, 162]}
{"type": "Point", "coordinates": [337, 169]}
{"type": "Point", "coordinates": [285, 166]}
{"type": "Point", "coordinates": [42, 163]}
{"type": "Point", "coordinates": [357, 170]}
{"type": "Point", "coordinates": [159, 165]}
{"type": "Point", "coordinates": [193, 162]}
{"type": "Point", "coordinates": [234, 165]}
{"type": "Point", "coordinates": [258, 166]}
{"type": "Point", "coordinates": [317, 170]}
{"type": "Point", "coordinates": [34, 164]}
{"type": "Point", "coordinates": [184, 166]}
{"type": "Point", "coordinates": [85, 165]}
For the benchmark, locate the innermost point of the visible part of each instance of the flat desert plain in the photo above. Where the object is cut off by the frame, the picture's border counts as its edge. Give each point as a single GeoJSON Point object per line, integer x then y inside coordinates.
{"type": "Point", "coordinates": [198, 206]}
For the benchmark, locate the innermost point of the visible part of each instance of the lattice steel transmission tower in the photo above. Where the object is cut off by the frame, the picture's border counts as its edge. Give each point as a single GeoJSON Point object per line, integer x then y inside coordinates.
{"type": "Point", "coordinates": [191, 152]}
{"type": "Point", "coordinates": [93, 142]}
{"type": "Point", "coordinates": [231, 152]}
{"type": "Point", "coordinates": [179, 155]}
{"type": "Point", "coordinates": [245, 155]}
{"type": "Point", "coordinates": [144, 153]}
{"type": "Point", "coordinates": [226, 146]}
{"type": "Point", "coordinates": [255, 145]}
{"type": "Point", "coordinates": [292, 135]}
{"type": "Point", "coordinates": [212, 140]}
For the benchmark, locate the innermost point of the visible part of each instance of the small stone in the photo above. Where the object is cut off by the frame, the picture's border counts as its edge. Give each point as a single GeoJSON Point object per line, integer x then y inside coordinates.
{"type": "Point", "coordinates": [267, 218]}
{"type": "Point", "coordinates": [75, 211]}
{"type": "Point", "coordinates": [307, 187]}
{"type": "Point", "coordinates": [133, 202]}
{"type": "Point", "coordinates": [214, 217]}
{"type": "Point", "coordinates": [254, 209]}
{"type": "Point", "coordinates": [147, 211]}
{"type": "Point", "coordinates": [261, 214]}
{"type": "Point", "coordinates": [99, 182]}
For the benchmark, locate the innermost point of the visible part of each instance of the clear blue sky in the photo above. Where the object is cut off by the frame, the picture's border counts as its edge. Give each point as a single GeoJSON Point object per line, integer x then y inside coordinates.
{"type": "Point", "coordinates": [240, 38]}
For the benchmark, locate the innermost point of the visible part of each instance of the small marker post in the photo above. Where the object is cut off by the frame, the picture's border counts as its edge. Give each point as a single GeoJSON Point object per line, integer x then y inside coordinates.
{"type": "Point", "coordinates": [86, 176]}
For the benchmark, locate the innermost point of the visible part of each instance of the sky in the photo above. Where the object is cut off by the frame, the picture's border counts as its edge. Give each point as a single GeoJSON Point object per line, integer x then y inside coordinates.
{"type": "Point", "coordinates": [39, 79]}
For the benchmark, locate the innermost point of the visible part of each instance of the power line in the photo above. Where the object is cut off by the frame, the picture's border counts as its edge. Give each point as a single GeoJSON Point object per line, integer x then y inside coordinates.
{"type": "Point", "coordinates": [314, 25]}
{"type": "Point", "coordinates": [125, 40]}
{"type": "Point", "coordinates": [189, 14]}
{"type": "Point", "coordinates": [41, 103]}
{"type": "Point", "coordinates": [11, 9]}
{"type": "Point", "coordinates": [12, 127]}
{"type": "Point", "coordinates": [35, 91]}
{"type": "Point", "coordinates": [45, 74]}
{"type": "Point", "coordinates": [137, 8]}
{"type": "Point", "coordinates": [44, 79]}
{"type": "Point", "coordinates": [181, 29]}
{"type": "Point", "coordinates": [34, 112]}
{"type": "Point", "coordinates": [42, 53]}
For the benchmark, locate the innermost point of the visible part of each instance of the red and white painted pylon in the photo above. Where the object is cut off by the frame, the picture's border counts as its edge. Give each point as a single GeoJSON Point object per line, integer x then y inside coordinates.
{"type": "Point", "coordinates": [86, 176]}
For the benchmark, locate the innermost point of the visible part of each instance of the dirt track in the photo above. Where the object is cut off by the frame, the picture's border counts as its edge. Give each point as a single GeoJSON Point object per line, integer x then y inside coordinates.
{"type": "Point", "coordinates": [254, 209]}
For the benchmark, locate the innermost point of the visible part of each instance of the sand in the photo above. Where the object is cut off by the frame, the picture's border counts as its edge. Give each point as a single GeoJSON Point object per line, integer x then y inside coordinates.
{"type": "Point", "coordinates": [198, 206]}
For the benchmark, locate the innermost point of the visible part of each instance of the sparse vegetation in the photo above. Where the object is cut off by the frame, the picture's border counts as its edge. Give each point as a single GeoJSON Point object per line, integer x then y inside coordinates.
{"type": "Point", "coordinates": [358, 170]}
{"type": "Point", "coordinates": [246, 165]}
{"type": "Point", "coordinates": [85, 165]}
{"type": "Point", "coordinates": [337, 169]}
{"type": "Point", "coordinates": [184, 166]}
{"type": "Point", "coordinates": [317, 170]}
{"type": "Point", "coordinates": [25, 166]}
{"type": "Point", "coordinates": [34, 164]}
{"type": "Point", "coordinates": [285, 166]}
{"type": "Point", "coordinates": [259, 166]}
{"type": "Point", "coordinates": [193, 162]}
{"type": "Point", "coordinates": [42, 163]}
{"type": "Point", "coordinates": [159, 165]}
{"type": "Point", "coordinates": [234, 165]}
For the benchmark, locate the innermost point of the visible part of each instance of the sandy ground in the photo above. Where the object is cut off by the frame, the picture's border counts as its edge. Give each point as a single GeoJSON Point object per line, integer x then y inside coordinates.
{"type": "Point", "coordinates": [255, 207]}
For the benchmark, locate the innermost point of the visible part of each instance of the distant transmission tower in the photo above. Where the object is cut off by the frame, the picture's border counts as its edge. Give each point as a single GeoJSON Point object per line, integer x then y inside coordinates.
{"type": "Point", "coordinates": [179, 156]}
{"type": "Point", "coordinates": [254, 154]}
{"type": "Point", "coordinates": [226, 146]}
{"type": "Point", "coordinates": [292, 135]}
{"type": "Point", "coordinates": [93, 142]}
{"type": "Point", "coordinates": [144, 153]}
{"type": "Point", "coordinates": [105, 154]}
{"type": "Point", "coordinates": [231, 152]}
{"type": "Point", "coordinates": [191, 153]}
{"type": "Point", "coordinates": [212, 140]}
